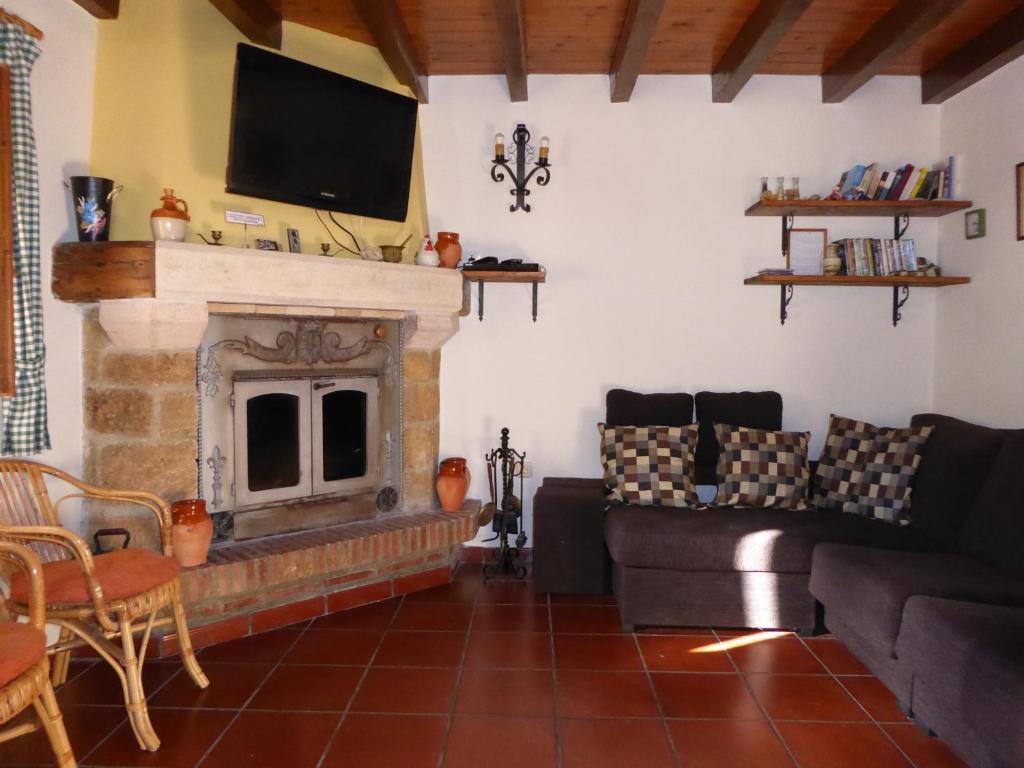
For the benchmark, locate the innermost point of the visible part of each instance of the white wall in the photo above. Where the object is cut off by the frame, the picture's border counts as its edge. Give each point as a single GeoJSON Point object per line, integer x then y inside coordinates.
{"type": "Point", "coordinates": [979, 370]}
{"type": "Point", "coordinates": [642, 231]}
{"type": "Point", "coordinates": [62, 94]}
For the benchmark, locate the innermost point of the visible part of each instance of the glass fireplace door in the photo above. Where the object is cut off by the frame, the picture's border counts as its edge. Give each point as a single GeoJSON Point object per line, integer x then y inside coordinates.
{"type": "Point", "coordinates": [272, 447]}
{"type": "Point", "coordinates": [344, 434]}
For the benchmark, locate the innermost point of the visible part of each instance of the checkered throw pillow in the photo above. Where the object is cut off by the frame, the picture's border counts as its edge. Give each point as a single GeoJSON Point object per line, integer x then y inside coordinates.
{"type": "Point", "coordinates": [649, 466]}
{"type": "Point", "coordinates": [760, 468]}
{"type": "Point", "coordinates": [868, 470]}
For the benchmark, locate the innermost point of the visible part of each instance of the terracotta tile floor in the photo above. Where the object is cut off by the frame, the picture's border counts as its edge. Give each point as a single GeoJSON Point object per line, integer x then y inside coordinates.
{"type": "Point", "coordinates": [476, 673]}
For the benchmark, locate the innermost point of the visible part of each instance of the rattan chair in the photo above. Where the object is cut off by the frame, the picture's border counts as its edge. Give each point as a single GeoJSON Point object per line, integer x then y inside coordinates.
{"type": "Point", "coordinates": [103, 600]}
{"type": "Point", "coordinates": [24, 665]}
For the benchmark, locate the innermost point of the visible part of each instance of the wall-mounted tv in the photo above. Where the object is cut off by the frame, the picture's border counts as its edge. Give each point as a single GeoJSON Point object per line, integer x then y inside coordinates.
{"type": "Point", "coordinates": [301, 134]}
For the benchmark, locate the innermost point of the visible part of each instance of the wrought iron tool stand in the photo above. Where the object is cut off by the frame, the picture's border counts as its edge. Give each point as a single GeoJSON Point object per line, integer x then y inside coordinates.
{"type": "Point", "coordinates": [509, 513]}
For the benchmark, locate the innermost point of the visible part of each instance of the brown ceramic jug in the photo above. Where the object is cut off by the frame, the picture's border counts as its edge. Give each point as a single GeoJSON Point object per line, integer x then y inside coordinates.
{"type": "Point", "coordinates": [453, 484]}
{"type": "Point", "coordinates": [191, 532]}
{"type": "Point", "coordinates": [449, 249]}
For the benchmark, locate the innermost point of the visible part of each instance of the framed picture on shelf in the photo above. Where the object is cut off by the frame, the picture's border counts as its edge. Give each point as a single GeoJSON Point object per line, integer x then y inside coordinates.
{"type": "Point", "coordinates": [974, 224]}
{"type": "Point", "coordinates": [807, 251]}
{"type": "Point", "coordinates": [1020, 201]}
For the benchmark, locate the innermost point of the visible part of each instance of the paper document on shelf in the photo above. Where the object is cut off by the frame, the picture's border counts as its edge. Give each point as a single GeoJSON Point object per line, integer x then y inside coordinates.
{"type": "Point", "coordinates": [805, 254]}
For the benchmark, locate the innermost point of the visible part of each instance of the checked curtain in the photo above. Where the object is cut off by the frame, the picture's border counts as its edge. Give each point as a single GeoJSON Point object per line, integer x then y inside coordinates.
{"type": "Point", "coordinates": [24, 415]}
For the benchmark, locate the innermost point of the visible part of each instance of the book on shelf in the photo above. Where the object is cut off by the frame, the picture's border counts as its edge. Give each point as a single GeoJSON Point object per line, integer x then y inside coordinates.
{"type": "Point", "coordinates": [942, 180]}
{"type": "Point", "coordinates": [872, 256]}
{"type": "Point", "coordinates": [775, 271]}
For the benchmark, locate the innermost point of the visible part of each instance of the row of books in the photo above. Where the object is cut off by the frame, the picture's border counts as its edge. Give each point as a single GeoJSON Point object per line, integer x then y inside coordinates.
{"type": "Point", "coordinates": [941, 181]}
{"type": "Point", "coordinates": [874, 256]}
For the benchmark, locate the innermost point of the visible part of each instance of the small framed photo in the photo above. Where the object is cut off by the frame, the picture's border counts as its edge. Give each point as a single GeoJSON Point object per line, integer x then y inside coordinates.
{"type": "Point", "coordinates": [1020, 201]}
{"type": "Point", "coordinates": [267, 245]}
{"type": "Point", "coordinates": [807, 251]}
{"type": "Point", "coordinates": [974, 224]}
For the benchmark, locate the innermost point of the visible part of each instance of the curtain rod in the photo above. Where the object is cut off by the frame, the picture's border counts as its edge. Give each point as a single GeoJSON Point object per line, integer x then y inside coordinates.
{"type": "Point", "coordinates": [31, 29]}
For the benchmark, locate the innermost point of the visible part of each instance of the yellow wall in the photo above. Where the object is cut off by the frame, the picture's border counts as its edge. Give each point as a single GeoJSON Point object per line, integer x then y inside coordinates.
{"type": "Point", "coordinates": [162, 114]}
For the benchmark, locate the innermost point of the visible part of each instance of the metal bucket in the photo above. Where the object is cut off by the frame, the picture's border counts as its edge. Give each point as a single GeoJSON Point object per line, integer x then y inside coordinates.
{"type": "Point", "coordinates": [92, 197]}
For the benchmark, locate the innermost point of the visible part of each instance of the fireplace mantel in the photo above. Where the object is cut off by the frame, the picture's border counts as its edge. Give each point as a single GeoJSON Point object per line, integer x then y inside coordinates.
{"type": "Point", "coordinates": [159, 295]}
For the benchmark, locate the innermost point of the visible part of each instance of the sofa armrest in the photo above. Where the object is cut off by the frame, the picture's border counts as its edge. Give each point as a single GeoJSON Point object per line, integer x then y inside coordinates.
{"type": "Point", "coordinates": [572, 482]}
{"type": "Point", "coordinates": [569, 553]}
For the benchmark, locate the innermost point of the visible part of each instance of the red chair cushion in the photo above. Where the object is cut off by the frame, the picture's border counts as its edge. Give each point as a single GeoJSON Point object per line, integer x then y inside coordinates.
{"type": "Point", "coordinates": [122, 574]}
{"type": "Point", "coordinates": [21, 647]}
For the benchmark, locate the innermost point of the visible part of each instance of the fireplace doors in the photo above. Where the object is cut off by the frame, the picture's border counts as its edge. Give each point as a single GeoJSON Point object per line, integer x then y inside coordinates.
{"type": "Point", "coordinates": [304, 437]}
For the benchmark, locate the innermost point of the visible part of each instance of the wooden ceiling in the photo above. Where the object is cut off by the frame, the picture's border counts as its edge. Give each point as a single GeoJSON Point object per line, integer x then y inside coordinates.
{"type": "Point", "coordinates": [953, 42]}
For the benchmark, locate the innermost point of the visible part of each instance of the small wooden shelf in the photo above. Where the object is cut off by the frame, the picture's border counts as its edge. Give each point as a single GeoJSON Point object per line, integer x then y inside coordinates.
{"type": "Point", "coordinates": [500, 276]}
{"type": "Point", "coordinates": [900, 284]}
{"type": "Point", "coordinates": [917, 281]}
{"type": "Point", "coordinates": [925, 208]}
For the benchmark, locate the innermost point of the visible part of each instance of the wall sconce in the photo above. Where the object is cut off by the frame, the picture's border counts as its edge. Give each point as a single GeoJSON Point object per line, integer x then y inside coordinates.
{"type": "Point", "coordinates": [521, 150]}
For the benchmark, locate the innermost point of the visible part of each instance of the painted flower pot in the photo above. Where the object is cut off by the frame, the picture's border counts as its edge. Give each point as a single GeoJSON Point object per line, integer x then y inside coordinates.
{"type": "Point", "coordinates": [453, 478]}
{"type": "Point", "coordinates": [92, 198]}
{"type": "Point", "coordinates": [191, 532]}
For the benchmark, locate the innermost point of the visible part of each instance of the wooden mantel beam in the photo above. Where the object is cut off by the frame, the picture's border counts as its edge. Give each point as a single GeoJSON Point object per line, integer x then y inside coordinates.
{"type": "Point", "coordinates": [888, 37]}
{"type": "Point", "coordinates": [101, 9]}
{"type": "Point", "coordinates": [995, 47]}
{"type": "Point", "coordinates": [513, 43]}
{"type": "Point", "coordinates": [384, 21]}
{"type": "Point", "coordinates": [637, 30]}
{"type": "Point", "coordinates": [755, 42]}
{"type": "Point", "coordinates": [256, 19]}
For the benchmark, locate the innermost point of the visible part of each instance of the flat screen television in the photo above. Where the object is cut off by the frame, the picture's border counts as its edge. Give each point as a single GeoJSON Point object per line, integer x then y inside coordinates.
{"type": "Point", "coordinates": [301, 134]}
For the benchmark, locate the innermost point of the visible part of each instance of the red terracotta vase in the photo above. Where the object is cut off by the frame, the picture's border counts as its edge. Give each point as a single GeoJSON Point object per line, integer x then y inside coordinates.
{"type": "Point", "coordinates": [453, 484]}
{"type": "Point", "coordinates": [191, 532]}
{"type": "Point", "coordinates": [449, 249]}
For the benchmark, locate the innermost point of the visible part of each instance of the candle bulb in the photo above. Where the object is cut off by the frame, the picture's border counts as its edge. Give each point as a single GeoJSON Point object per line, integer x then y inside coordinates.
{"type": "Point", "coordinates": [545, 147]}
{"type": "Point", "coordinates": [499, 146]}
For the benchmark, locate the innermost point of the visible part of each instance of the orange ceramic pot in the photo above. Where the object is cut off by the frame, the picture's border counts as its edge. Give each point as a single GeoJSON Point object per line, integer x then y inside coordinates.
{"type": "Point", "coordinates": [453, 484]}
{"type": "Point", "coordinates": [191, 532]}
{"type": "Point", "coordinates": [449, 249]}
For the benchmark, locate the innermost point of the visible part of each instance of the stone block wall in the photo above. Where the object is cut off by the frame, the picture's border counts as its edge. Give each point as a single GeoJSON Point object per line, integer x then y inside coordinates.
{"type": "Point", "coordinates": [141, 417]}
{"type": "Point", "coordinates": [421, 396]}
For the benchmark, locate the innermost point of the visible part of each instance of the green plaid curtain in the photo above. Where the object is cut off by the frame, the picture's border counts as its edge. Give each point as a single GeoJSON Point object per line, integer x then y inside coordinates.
{"type": "Point", "coordinates": [24, 415]}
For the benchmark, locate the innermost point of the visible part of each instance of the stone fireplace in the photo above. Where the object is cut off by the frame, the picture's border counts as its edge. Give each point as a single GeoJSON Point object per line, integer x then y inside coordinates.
{"type": "Point", "coordinates": [298, 395]}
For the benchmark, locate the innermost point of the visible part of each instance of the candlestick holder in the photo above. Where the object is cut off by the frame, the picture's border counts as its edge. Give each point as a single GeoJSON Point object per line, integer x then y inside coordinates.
{"type": "Point", "coordinates": [521, 151]}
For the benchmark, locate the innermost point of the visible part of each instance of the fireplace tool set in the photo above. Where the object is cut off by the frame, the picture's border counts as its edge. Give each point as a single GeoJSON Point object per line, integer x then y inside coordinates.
{"type": "Point", "coordinates": [506, 508]}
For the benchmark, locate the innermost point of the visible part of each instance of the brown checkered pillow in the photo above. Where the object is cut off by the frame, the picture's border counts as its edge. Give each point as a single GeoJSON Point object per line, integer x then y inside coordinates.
{"type": "Point", "coordinates": [868, 470]}
{"type": "Point", "coordinates": [649, 466]}
{"type": "Point", "coordinates": [761, 468]}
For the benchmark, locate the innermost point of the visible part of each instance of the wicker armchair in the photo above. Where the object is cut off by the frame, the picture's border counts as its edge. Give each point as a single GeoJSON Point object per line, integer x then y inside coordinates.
{"type": "Point", "coordinates": [103, 600]}
{"type": "Point", "coordinates": [24, 665]}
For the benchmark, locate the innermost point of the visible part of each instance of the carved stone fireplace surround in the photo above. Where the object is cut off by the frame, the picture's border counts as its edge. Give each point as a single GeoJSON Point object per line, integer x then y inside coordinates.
{"type": "Point", "coordinates": [140, 372]}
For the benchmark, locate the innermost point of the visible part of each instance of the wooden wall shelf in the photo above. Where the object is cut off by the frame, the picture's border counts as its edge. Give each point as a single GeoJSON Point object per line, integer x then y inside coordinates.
{"type": "Point", "coordinates": [499, 276]}
{"type": "Point", "coordinates": [900, 285]}
{"type": "Point", "coordinates": [925, 208]}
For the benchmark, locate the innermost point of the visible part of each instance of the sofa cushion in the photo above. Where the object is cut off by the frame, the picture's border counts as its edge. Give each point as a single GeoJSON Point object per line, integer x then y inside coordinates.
{"type": "Point", "coordinates": [955, 463]}
{"type": "Point", "coordinates": [867, 588]}
{"type": "Point", "coordinates": [21, 647]}
{"type": "Point", "coordinates": [762, 468]}
{"type": "Point", "coordinates": [624, 408]}
{"type": "Point", "coordinates": [968, 666]}
{"type": "Point", "coordinates": [758, 410]}
{"type": "Point", "coordinates": [994, 530]}
{"type": "Point", "coordinates": [121, 574]}
{"type": "Point", "coordinates": [883, 491]}
{"type": "Point", "coordinates": [649, 465]}
{"type": "Point", "coordinates": [737, 538]}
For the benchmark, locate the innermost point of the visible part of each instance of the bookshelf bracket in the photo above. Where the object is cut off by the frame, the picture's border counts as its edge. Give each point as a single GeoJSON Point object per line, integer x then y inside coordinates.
{"type": "Point", "coordinates": [898, 301]}
{"type": "Point", "coordinates": [785, 297]}
{"type": "Point", "coordinates": [900, 225]}
{"type": "Point", "coordinates": [787, 225]}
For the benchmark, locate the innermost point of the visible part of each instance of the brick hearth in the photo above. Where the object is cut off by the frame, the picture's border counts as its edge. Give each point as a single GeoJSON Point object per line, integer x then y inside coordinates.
{"type": "Point", "coordinates": [267, 583]}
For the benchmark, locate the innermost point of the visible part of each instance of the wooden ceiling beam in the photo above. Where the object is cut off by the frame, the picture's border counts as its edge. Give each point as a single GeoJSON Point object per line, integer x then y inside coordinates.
{"type": "Point", "coordinates": [637, 30]}
{"type": "Point", "coordinates": [384, 21]}
{"type": "Point", "coordinates": [513, 43]}
{"type": "Point", "coordinates": [995, 47]}
{"type": "Point", "coordinates": [256, 19]}
{"type": "Point", "coordinates": [887, 38]}
{"type": "Point", "coordinates": [101, 9]}
{"type": "Point", "coordinates": [754, 43]}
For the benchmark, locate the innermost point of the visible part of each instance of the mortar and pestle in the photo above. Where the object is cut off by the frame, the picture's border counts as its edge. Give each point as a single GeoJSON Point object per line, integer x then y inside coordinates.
{"type": "Point", "coordinates": [393, 253]}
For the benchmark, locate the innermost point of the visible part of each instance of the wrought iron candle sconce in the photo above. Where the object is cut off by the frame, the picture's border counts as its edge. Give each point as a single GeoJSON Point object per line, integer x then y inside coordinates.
{"type": "Point", "coordinates": [521, 151]}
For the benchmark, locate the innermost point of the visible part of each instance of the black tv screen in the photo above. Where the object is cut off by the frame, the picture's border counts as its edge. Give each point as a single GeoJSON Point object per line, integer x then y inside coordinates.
{"type": "Point", "coordinates": [304, 135]}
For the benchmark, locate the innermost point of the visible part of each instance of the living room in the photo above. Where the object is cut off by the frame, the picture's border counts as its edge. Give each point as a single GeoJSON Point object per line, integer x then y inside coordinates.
{"type": "Point", "coordinates": [653, 209]}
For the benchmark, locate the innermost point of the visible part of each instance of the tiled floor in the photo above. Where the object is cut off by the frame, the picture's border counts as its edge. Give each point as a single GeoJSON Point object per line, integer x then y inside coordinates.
{"type": "Point", "coordinates": [475, 674]}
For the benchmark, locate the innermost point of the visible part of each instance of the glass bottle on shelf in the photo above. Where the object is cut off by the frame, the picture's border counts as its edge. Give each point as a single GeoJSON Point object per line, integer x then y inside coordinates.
{"type": "Point", "coordinates": [780, 187]}
{"type": "Point", "coordinates": [764, 187]}
{"type": "Point", "coordinates": [793, 193]}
